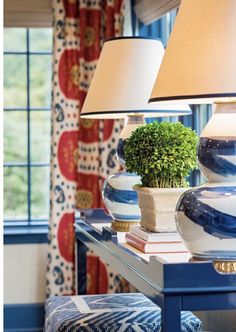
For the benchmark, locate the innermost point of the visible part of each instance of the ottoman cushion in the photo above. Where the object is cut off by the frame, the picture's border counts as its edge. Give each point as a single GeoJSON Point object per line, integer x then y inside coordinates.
{"type": "Point", "coordinates": [109, 313]}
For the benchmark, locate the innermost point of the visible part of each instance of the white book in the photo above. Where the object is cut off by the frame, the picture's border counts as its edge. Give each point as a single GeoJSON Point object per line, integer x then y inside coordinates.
{"type": "Point", "coordinates": [149, 236]}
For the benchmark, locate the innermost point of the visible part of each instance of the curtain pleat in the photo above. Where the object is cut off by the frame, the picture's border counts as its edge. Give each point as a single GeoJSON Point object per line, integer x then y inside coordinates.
{"type": "Point", "coordinates": [82, 151]}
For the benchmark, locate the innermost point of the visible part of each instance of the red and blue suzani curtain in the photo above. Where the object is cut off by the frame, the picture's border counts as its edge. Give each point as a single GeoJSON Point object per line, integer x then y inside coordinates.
{"type": "Point", "coordinates": [82, 151]}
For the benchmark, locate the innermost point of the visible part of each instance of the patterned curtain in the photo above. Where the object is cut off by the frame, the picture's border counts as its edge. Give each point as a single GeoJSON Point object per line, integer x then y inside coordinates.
{"type": "Point", "coordinates": [82, 151]}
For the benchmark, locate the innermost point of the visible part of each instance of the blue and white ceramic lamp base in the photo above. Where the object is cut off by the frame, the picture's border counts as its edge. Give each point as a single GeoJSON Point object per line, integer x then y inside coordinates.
{"type": "Point", "coordinates": [119, 197]}
{"type": "Point", "coordinates": [206, 216]}
{"type": "Point", "coordinates": [121, 200]}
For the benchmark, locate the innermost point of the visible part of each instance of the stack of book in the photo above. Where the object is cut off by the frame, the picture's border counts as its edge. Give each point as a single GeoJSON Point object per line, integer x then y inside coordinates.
{"type": "Point", "coordinates": [156, 243]}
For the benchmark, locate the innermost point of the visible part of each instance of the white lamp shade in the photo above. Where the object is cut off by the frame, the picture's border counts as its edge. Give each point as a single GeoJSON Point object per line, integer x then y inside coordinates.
{"type": "Point", "coordinates": [199, 65]}
{"type": "Point", "coordinates": [124, 78]}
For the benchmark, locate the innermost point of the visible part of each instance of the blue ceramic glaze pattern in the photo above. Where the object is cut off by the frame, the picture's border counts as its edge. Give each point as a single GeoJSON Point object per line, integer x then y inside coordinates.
{"type": "Point", "coordinates": [119, 216]}
{"type": "Point", "coordinates": [121, 152]}
{"type": "Point", "coordinates": [214, 222]}
{"type": "Point", "coordinates": [211, 152]}
{"type": "Point", "coordinates": [120, 196]}
{"type": "Point", "coordinates": [128, 175]}
{"type": "Point", "coordinates": [206, 216]}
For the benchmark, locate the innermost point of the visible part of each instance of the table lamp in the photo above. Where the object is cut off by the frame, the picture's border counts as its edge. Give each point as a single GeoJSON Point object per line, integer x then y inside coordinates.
{"type": "Point", "coordinates": [120, 88]}
{"type": "Point", "coordinates": [199, 67]}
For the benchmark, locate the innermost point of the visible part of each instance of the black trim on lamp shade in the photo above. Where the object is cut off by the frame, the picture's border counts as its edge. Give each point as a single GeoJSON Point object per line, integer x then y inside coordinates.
{"type": "Point", "coordinates": [154, 112]}
{"type": "Point", "coordinates": [201, 96]}
{"type": "Point", "coordinates": [131, 37]}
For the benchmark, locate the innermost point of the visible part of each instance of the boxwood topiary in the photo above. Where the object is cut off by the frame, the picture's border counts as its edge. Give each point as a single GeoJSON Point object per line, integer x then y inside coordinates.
{"type": "Point", "coordinates": [162, 154]}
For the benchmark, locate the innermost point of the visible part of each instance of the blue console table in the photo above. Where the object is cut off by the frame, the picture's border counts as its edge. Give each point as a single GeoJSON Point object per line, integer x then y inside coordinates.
{"type": "Point", "coordinates": [174, 287]}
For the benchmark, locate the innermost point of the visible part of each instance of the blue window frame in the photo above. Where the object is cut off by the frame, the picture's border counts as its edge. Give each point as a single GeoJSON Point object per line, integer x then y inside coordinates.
{"type": "Point", "coordinates": [27, 99]}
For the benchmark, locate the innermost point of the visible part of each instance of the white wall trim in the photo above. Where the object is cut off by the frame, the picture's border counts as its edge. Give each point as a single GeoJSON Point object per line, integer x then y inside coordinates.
{"type": "Point", "coordinates": [25, 267]}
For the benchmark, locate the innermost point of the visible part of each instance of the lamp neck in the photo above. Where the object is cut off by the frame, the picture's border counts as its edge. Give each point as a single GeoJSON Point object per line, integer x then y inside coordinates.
{"type": "Point", "coordinates": [135, 119]}
{"type": "Point", "coordinates": [229, 107]}
{"type": "Point", "coordinates": [222, 123]}
{"type": "Point", "coordinates": [132, 122]}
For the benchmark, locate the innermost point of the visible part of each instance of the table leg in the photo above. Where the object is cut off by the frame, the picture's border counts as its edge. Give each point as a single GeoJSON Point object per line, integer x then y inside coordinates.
{"type": "Point", "coordinates": [81, 274]}
{"type": "Point", "coordinates": [171, 314]}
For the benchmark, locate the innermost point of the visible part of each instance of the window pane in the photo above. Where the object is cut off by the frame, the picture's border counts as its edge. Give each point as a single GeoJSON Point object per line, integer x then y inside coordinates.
{"type": "Point", "coordinates": [15, 192]}
{"type": "Point", "coordinates": [40, 79]}
{"type": "Point", "coordinates": [40, 136]}
{"type": "Point", "coordinates": [40, 40]}
{"type": "Point", "coordinates": [15, 88]}
{"type": "Point", "coordinates": [40, 192]}
{"type": "Point", "coordinates": [14, 40]}
{"type": "Point", "coordinates": [15, 136]}
{"type": "Point", "coordinates": [15, 127]}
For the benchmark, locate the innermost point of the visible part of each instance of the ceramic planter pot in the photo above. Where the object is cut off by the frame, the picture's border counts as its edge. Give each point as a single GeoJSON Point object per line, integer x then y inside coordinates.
{"type": "Point", "coordinates": [158, 206]}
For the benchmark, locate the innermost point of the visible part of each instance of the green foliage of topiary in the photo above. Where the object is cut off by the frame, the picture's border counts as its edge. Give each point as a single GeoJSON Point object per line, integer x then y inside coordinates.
{"type": "Point", "coordinates": [162, 154]}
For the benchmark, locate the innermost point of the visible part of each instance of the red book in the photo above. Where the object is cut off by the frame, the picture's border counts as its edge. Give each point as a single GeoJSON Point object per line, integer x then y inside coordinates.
{"type": "Point", "coordinates": [155, 247]}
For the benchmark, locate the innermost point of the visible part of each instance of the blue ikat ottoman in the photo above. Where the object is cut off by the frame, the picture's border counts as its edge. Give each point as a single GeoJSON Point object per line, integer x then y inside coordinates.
{"type": "Point", "coordinates": [131, 312]}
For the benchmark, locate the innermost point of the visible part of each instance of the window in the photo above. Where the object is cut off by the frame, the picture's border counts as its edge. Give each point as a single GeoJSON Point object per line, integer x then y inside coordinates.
{"type": "Point", "coordinates": [27, 99]}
